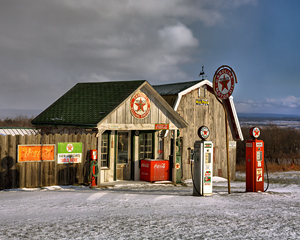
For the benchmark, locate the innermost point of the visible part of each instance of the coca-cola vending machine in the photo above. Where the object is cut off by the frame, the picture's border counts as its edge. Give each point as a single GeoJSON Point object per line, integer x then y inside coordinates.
{"type": "Point", "coordinates": [154, 170]}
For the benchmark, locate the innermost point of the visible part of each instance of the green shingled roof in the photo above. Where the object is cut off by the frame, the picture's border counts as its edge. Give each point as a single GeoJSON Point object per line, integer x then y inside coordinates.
{"type": "Point", "coordinates": [87, 104]}
{"type": "Point", "coordinates": [173, 88]}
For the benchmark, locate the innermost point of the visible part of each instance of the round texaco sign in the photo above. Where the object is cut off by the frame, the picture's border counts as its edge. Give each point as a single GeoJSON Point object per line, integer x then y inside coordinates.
{"type": "Point", "coordinates": [140, 105]}
{"type": "Point", "coordinates": [223, 83]}
{"type": "Point", "coordinates": [254, 132]}
{"type": "Point", "coordinates": [203, 132]}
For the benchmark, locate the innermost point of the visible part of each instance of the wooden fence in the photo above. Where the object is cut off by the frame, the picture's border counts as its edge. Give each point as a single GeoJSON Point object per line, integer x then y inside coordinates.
{"type": "Point", "coordinates": [38, 174]}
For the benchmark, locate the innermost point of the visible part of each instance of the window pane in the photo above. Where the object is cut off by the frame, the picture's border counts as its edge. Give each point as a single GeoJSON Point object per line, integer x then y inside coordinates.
{"type": "Point", "coordinates": [104, 150]}
{"type": "Point", "coordinates": [146, 146]}
{"type": "Point", "coordinates": [122, 147]}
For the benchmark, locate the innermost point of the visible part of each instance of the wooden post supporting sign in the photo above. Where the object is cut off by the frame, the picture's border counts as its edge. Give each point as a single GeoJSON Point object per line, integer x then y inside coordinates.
{"type": "Point", "coordinates": [223, 85]}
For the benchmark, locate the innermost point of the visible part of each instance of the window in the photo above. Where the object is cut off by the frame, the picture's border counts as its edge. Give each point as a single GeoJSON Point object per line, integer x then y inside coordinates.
{"type": "Point", "coordinates": [146, 146]}
{"type": "Point", "coordinates": [104, 150]}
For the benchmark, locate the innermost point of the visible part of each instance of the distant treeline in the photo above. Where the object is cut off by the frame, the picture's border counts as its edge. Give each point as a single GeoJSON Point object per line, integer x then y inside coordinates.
{"type": "Point", "coordinates": [19, 121]}
{"type": "Point", "coordinates": [279, 143]}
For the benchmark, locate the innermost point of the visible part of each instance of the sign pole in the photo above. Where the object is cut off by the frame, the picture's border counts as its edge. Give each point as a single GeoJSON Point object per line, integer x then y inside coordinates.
{"type": "Point", "coordinates": [227, 147]}
{"type": "Point", "coordinates": [223, 85]}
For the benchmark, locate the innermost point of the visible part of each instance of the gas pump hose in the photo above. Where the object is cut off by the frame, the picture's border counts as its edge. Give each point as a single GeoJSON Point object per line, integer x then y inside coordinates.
{"type": "Point", "coordinates": [193, 180]}
{"type": "Point", "coordinates": [94, 164]}
{"type": "Point", "coordinates": [267, 175]}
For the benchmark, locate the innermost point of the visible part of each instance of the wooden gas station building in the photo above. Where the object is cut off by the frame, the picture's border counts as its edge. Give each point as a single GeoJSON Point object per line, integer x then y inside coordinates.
{"type": "Point", "coordinates": [134, 120]}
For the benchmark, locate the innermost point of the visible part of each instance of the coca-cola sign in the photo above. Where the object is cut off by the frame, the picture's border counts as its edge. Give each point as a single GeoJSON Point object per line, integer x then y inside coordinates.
{"type": "Point", "coordinates": [161, 126]}
{"type": "Point", "coordinates": [162, 165]}
{"type": "Point", "coordinates": [146, 165]}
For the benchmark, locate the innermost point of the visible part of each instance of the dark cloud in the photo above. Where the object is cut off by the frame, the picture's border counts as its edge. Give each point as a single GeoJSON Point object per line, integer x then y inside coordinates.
{"type": "Point", "coordinates": [46, 47]}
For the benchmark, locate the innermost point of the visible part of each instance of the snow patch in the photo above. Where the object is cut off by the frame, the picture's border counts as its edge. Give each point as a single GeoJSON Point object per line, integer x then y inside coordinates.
{"type": "Point", "coordinates": [163, 197]}
{"type": "Point", "coordinates": [96, 196]}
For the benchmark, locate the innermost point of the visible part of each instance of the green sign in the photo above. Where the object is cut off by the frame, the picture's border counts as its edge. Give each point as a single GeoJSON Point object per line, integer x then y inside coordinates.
{"type": "Point", "coordinates": [69, 152]}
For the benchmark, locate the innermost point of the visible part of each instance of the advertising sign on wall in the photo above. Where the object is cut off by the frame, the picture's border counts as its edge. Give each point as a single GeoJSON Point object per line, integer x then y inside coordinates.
{"type": "Point", "coordinates": [36, 153]}
{"type": "Point", "coordinates": [69, 152]}
{"type": "Point", "coordinates": [202, 102]}
{"type": "Point", "coordinates": [140, 105]}
{"type": "Point", "coordinates": [161, 126]}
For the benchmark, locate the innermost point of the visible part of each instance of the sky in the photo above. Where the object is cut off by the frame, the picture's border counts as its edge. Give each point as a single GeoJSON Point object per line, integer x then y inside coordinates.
{"type": "Point", "coordinates": [46, 47]}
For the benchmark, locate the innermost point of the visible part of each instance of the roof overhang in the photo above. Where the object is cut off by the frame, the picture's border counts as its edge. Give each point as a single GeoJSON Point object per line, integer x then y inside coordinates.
{"type": "Point", "coordinates": [231, 108]}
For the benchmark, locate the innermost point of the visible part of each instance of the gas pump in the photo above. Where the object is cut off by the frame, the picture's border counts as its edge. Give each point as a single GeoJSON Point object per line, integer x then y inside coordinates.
{"type": "Point", "coordinates": [254, 162]}
{"type": "Point", "coordinates": [178, 160]}
{"type": "Point", "coordinates": [203, 164]}
{"type": "Point", "coordinates": [94, 170]}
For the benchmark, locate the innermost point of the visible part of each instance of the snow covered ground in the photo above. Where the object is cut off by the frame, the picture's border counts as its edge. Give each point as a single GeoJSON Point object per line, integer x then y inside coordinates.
{"type": "Point", "coordinates": [154, 211]}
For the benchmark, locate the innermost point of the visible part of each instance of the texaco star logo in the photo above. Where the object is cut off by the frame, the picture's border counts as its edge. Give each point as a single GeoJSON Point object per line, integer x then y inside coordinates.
{"type": "Point", "coordinates": [140, 105]}
{"type": "Point", "coordinates": [203, 132]}
{"type": "Point", "coordinates": [224, 83]}
{"type": "Point", "coordinates": [70, 147]}
{"type": "Point", "coordinates": [255, 132]}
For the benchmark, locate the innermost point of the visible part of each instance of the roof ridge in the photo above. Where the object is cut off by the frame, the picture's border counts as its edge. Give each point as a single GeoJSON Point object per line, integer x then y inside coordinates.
{"type": "Point", "coordinates": [178, 83]}
{"type": "Point", "coordinates": [113, 81]}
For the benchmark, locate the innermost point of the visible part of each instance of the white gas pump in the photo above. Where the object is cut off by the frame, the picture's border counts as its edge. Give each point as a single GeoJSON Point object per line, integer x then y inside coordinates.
{"type": "Point", "coordinates": [203, 165]}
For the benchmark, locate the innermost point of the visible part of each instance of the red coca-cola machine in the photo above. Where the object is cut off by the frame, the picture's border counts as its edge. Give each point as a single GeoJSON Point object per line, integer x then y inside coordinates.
{"type": "Point", "coordinates": [154, 170]}
{"type": "Point", "coordinates": [254, 162]}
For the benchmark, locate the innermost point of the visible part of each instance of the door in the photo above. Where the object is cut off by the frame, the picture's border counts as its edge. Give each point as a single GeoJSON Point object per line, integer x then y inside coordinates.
{"type": "Point", "coordinates": [123, 161]}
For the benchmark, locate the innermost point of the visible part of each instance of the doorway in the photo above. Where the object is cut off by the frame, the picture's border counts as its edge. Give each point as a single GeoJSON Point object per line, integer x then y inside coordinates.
{"type": "Point", "coordinates": [123, 161]}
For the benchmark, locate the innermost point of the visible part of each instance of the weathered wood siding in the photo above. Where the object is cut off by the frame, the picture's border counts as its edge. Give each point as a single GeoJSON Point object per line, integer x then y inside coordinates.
{"type": "Point", "coordinates": [212, 116]}
{"type": "Point", "coordinates": [38, 174]}
{"type": "Point", "coordinates": [124, 120]}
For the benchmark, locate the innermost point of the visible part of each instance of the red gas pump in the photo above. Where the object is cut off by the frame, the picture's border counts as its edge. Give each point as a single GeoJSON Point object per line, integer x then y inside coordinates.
{"type": "Point", "coordinates": [254, 162]}
{"type": "Point", "coordinates": [94, 167]}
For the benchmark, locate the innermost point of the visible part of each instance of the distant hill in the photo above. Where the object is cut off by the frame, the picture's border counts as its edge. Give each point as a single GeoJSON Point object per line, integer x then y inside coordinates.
{"type": "Point", "coordinates": [265, 118]}
{"type": "Point", "coordinates": [266, 115]}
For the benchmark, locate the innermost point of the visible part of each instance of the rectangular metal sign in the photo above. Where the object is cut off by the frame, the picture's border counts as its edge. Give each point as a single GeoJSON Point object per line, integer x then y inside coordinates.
{"type": "Point", "coordinates": [232, 144]}
{"type": "Point", "coordinates": [161, 126]}
{"type": "Point", "coordinates": [202, 102]}
{"type": "Point", "coordinates": [36, 153]}
{"type": "Point", "coordinates": [69, 152]}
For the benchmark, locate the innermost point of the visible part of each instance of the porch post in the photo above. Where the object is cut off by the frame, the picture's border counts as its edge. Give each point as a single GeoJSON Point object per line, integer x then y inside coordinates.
{"type": "Point", "coordinates": [136, 159]}
{"type": "Point", "coordinates": [100, 131]}
{"type": "Point", "coordinates": [174, 133]}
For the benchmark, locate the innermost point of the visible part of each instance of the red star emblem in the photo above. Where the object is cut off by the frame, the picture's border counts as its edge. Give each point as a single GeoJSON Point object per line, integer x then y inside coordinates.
{"type": "Point", "coordinates": [69, 147]}
{"type": "Point", "coordinates": [224, 83]}
{"type": "Point", "coordinates": [140, 105]}
{"type": "Point", "coordinates": [256, 133]}
{"type": "Point", "coordinates": [205, 133]}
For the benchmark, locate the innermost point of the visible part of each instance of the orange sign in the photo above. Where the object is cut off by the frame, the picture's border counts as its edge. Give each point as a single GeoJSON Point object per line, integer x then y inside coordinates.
{"type": "Point", "coordinates": [36, 153]}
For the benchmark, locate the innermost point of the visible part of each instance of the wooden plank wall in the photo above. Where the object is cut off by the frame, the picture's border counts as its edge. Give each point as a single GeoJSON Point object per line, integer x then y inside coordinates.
{"type": "Point", "coordinates": [38, 174]}
{"type": "Point", "coordinates": [213, 117]}
{"type": "Point", "coordinates": [122, 115]}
